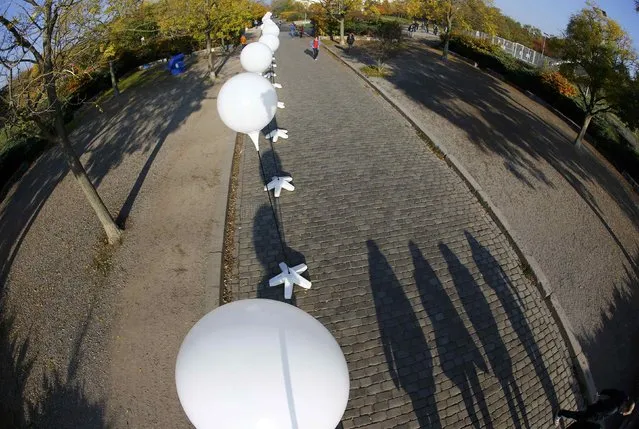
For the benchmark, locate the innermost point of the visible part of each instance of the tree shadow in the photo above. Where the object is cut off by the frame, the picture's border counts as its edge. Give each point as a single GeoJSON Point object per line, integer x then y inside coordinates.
{"type": "Point", "coordinates": [497, 123]}
{"type": "Point", "coordinates": [478, 310]}
{"type": "Point", "coordinates": [498, 281]}
{"type": "Point", "coordinates": [460, 359]}
{"type": "Point", "coordinates": [270, 251]}
{"type": "Point", "coordinates": [63, 403]}
{"type": "Point", "coordinates": [138, 121]}
{"type": "Point", "coordinates": [407, 352]}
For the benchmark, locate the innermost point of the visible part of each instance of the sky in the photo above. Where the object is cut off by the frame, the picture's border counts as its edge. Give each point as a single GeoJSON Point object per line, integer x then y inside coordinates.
{"type": "Point", "coordinates": [552, 16]}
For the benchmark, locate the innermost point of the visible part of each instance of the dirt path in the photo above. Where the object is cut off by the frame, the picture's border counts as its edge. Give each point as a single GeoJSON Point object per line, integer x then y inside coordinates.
{"type": "Point", "coordinates": [89, 336]}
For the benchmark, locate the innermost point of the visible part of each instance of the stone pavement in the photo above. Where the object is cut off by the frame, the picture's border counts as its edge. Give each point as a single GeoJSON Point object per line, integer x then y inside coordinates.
{"type": "Point", "coordinates": [439, 324]}
{"type": "Point", "coordinates": [569, 211]}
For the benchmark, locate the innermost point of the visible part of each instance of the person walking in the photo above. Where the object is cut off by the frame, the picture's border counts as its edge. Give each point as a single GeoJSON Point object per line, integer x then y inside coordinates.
{"type": "Point", "coordinates": [301, 31]}
{"type": "Point", "coordinates": [291, 30]}
{"type": "Point", "coordinates": [315, 44]}
{"type": "Point", "coordinates": [350, 39]}
{"type": "Point", "coordinates": [609, 403]}
{"type": "Point", "coordinates": [243, 41]}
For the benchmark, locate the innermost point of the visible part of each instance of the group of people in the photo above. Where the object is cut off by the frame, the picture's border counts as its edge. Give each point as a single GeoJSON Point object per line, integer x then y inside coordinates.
{"type": "Point", "coordinates": [412, 28]}
{"type": "Point", "coordinates": [295, 31]}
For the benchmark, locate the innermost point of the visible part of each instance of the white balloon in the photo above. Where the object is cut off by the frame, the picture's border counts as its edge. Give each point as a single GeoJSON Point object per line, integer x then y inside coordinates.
{"type": "Point", "coordinates": [256, 57]}
{"type": "Point", "coordinates": [271, 41]}
{"type": "Point", "coordinates": [246, 103]}
{"type": "Point", "coordinates": [269, 27]}
{"type": "Point", "coordinates": [261, 364]}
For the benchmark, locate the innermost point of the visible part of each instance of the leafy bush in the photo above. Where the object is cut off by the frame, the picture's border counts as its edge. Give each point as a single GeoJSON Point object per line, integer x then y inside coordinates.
{"type": "Point", "coordinates": [559, 83]}
{"type": "Point", "coordinates": [377, 70]}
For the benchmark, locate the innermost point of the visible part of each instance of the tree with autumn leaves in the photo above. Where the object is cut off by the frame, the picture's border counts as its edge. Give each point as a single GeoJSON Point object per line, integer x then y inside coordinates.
{"type": "Point", "coordinates": [211, 20]}
{"type": "Point", "coordinates": [597, 57]}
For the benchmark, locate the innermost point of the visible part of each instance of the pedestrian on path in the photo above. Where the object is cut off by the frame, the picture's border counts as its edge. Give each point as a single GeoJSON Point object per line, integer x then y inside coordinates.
{"type": "Point", "coordinates": [301, 31]}
{"type": "Point", "coordinates": [315, 44]}
{"type": "Point", "coordinates": [243, 41]}
{"type": "Point", "coordinates": [613, 402]}
{"type": "Point", "coordinates": [350, 39]}
{"type": "Point", "coordinates": [291, 30]}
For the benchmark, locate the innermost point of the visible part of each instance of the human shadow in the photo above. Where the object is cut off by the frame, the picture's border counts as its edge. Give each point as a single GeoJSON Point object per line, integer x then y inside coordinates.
{"type": "Point", "coordinates": [478, 310]}
{"type": "Point", "coordinates": [308, 52]}
{"type": "Point", "coordinates": [495, 278]}
{"type": "Point", "coordinates": [407, 352]}
{"type": "Point", "coordinates": [63, 403]}
{"type": "Point", "coordinates": [460, 359]}
{"type": "Point", "coordinates": [271, 250]}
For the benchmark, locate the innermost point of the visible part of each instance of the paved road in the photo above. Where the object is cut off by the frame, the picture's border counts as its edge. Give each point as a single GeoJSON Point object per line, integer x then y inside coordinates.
{"type": "Point", "coordinates": [438, 323]}
{"type": "Point", "coordinates": [568, 210]}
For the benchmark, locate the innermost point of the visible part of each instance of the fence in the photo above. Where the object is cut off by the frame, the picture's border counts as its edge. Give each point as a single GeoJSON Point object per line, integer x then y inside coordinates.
{"type": "Point", "coordinates": [517, 50]}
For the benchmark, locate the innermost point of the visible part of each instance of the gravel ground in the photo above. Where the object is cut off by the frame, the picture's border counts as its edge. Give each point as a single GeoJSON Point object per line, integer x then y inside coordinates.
{"type": "Point", "coordinates": [89, 334]}
{"type": "Point", "coordinates": [569, 210]}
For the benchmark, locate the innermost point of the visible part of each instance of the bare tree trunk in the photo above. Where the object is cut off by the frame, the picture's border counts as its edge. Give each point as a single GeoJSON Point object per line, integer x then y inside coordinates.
{"type": "Point", "coordinates": [114, 234]}
{"type": "Point", "coordinates": [45, 61]}
{"type": "Point", "coordinates": [114, 81]}
{"type": "Point", "coordinates": [209, 53]}
{"type": "Point", "coordinates": [446, 43]}
{"type": "Point", "coordinates": [582, 132]}
{"type": "Point", "coordinates": [341, 31]}
{"type": "Point", "coordinates": [449, 29]}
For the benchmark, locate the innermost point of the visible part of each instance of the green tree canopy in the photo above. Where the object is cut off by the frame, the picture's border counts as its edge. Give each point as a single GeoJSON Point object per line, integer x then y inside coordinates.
{"type": "Point", "coordinates": [597, 56]}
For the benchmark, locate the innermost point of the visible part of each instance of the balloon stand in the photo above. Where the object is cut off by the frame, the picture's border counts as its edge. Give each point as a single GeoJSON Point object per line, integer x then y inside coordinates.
{"type": "Point", "coordinates": [260, 363]}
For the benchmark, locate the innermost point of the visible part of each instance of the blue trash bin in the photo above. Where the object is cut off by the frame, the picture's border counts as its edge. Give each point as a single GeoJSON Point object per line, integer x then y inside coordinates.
{"type": "Point", "coordinates": [176, 64]}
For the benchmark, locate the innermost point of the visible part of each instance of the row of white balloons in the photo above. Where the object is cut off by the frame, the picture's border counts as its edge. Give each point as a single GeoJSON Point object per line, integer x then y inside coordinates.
{"type": "Point", "coordinates": [258, 363]}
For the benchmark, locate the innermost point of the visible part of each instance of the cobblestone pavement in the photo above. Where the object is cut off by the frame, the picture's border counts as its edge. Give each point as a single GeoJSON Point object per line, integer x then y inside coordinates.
{"type": "Point", "coordinates": [568, 210]}
{"type": "Point", "coordinates": [439, 325]}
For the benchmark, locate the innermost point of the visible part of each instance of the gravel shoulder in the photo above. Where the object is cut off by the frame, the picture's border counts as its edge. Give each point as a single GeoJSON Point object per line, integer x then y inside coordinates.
{"type": "Point", "coordinates": [89, 334]}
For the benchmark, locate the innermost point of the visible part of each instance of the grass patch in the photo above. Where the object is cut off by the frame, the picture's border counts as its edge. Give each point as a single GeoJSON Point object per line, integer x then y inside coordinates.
{"type": "Point", "coordinates": [103, 257]}
{"type": "Point", "coordinates": [136, 78]}
{"type": "Point", "coordinates": [376, 71]}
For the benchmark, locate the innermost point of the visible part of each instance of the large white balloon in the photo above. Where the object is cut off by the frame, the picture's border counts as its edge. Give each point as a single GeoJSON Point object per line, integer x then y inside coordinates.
{"type": "Point", "coordinates": [271, 41]}
{"type": "Point", "coordinates": [269, 27]}
{"type": "Point", "coordinates": [247, 103]}
{"type": "Point", "coordinates": [256, 57]}
{"type": "Point", "coordinates": [261, 364]}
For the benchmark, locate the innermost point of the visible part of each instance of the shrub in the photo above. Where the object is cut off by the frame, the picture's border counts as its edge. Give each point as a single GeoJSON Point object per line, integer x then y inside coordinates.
{"type": "Point", "coordinates": [559, 83]}
{"type": "Point", "coordinates": [377, 70]}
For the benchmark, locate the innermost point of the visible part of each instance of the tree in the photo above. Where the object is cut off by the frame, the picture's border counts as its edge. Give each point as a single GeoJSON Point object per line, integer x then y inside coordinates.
{"type": "Point", "coordinates": [597, 56]}
{"type": "Point", "coordinates": [38, 44]}
{"type": "Point", "coordinates": [124, 25]}
{"type": "Point", "coordinates": [389, 35]}
{"type": "Point", "coordinates": [458, 13]}
{"type": "Point", "coordinates": [338, 9]}
{"type": "Point", "coordinates": [219, 19]}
